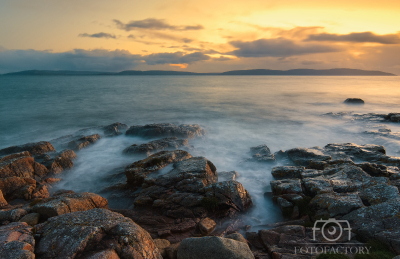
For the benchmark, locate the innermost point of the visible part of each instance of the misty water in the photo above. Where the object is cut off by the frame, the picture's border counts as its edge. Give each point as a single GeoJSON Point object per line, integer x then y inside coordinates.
{"type": "Point", "coordinates": [238, 112]}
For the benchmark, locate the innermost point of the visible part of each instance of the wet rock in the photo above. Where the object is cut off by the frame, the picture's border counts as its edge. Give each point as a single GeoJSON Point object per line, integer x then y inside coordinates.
{"type": "Point", "coordinates": [12, 215]}
{"type": "Point", "coordinates": [83, 142]}
{"type": "Point", "coordinates": [80, 233]}
{"type": "Point", "coordinates": [303, 156]}
{"type": "Point", "coordinates": [356, 152]}
{"type": "Point", "coordinates": [162, 244]}
{"type": "Point", "coordinates": [31, 219]}
{"type": "Point", "coordinates": [69, 202]}
{"type": "Point", "coordinates": [166, 130]}
{"type": "Point", "coordinates": [285, 206]}
{"type": "Point", "coordinates": [58, 162]}
{"type": "Point", "coordinates": [156, 146]}
{"type": "Point", "coordinates": [206, 226]}
{"type": "Point", "coordinates": [3, 201]}
{"type": "Point", "coordinates": [379, 194]}
{"type": "Point", "coordinates": [285, 172]}
{"type": "Point", "coordinates": [37, 148]}
{"type": "Point", "coordinates": [114, 129]}
{"type": "Point", "coordinates": [17, 241]}
{"type": "Point", "coordinates": [334, 204]}
{"type": "Point", "coordinates": [213, 247]}
{"type": "Point", "coordinates": [262, 153]}
{"type": "Point", "coordinates": [138, 171]}
{"type": "Point", "coordinates": [228, 176]}
{"type": "Point", "coordinates": [354, 101]}
{"type": "Point", "coordinates": [393, 117]}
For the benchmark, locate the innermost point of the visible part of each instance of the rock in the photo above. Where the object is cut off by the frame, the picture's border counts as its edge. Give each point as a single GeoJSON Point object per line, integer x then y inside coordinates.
{"type": "Point", "coordinates": [334, 204]}
{"type": "Point", "coordinates": [162, 244]}
{"type": "Point", "coordinates": [24, 166]}
{"type": "Point", "coordinates": [15, 155]}
{"type": "Point", "coordinates": [237, 237]}
{"type": "Point", "coordinates": [31, 219]}
{"type": "Point", "coordinates": [375, 169]}
{"type": "Point", "coordinates": [285, 206]}
{"type": "Point", "coordinates": [289, 186]}
{"type": "Point", "coordinates": [83, 142]}
{"type": "Point", "coordinates": [230, 194]}
{"type": "Point", "coordinates": [157, 145]}
{"type": "Point", "coordinates": [285, 172]}
{"type": "Point", "coordinates": [3, 201]}
{"type": "Point", "coordinates": [228, 176]}
{"type": "Point", "coordinates": [172, 251]}
{"type": "Point", "coordinates": [69, 202]}
{"type": "Point", "coordinates": [262, 153]}
{"type": "Point", "coordinates": [213, 247]}
{"type": "Point", "coordinates": [393, 117]}
{"type": "Point", "coordinates": [206, 226]}
{"type": "Point", "coordinates": [166, 130]}
{"type": "Point", "coordinates": [114, 129]}
{"type": "Point", "coordinates": [303, 156]}
{"type": "Point", "coordinates": [22, 188]}
{"type": "Point", "coordinates": [58, 162]}
{"type": "Point", "coordinates": [17, 241]}
{"type": "Point", "coordinates": [79, 233]}
{"type": "Point", "coordinates": [105, 254]}
{"type": "Point", "coordinates": [379, 194]}
{"type": "Point", "coordinates": [138, 171]}
{"type": "Point", "coordinates": [356, 152]}
{"type": "Point", "coordinates": [12, 215]}
{"type": "Point", "coordinates": [37, 148]}
{"type": "Point", "coordinates": [354, 101]}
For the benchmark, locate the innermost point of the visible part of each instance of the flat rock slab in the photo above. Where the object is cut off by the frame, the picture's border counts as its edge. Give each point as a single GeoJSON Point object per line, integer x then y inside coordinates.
{"type": "Point", "coordinates": [85, 233]}
{"type": "Point", "coordinates": [166, 130]}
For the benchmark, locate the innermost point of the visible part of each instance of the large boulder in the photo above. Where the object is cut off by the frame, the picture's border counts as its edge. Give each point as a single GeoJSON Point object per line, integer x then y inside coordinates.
{"type": "Point", "coordinates": [37, 148]}
{"type": "Point", "coordinates": [69, 202]}
{"type": "Point", "coordinates": [156, 146]}
{"type": "Point", "coordinates": [303, 156]}
{"type": "Point", "coordinates": [22, 166]}
{"type": "Point", "coordinates": [22, 188]}
{"type": "Point", "coordinates": [333, 204]}
{"type": "Point", "coordinates": [17, 241]}
{"type": "Point", "coordinates": [12, 215]}
{"type": "Point", "coordinates": [356, 152]}
{"type": "Point", "coordinates": [83, 142]}
{"type": "Point", "coordinates": [379, 194]}
{"type": "Point", "coordinates": [166, 130]}
{"type": "Point", "coordinates": [285, 172]}
{"type": "Point", "coordinates": [213, 248]}
{"type": "Point", "coordinates": [87, 233]}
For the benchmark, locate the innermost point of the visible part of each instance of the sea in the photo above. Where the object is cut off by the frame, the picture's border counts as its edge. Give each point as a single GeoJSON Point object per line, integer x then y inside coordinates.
{"type": "Point", "coordinates": [237, 112]}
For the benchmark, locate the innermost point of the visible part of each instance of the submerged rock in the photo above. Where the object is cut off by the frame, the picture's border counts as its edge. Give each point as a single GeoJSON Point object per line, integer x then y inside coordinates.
{"type": "Point", "coordinates": [157, 145]}
{"type": "Point", "coordinates": [354, 101]}
{"type": "Point", "coordinates": [83, 142]}
{"type": "Point", "coordinates": [114, 129]}
{"type": "Point", "coordinates": [87, 233]}
{"type": "Point", "coordinates": [37, 148]}
{"type": "Point", "coordinates": [213, 247]}
{"type": "Point", "coordinates": [166, 130]}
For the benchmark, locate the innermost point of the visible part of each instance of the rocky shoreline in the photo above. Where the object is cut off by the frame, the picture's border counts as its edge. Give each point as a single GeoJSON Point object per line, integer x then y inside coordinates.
{"type": "Point", "coordinates": [184, 208]}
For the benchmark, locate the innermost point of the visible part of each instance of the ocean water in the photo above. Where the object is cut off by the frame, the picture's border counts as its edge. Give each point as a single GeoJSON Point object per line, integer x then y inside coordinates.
{"type": "Point", "coordinates": [238, 112]}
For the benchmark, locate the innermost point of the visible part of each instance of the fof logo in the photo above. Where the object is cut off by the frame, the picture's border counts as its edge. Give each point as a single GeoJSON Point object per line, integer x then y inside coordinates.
{"type": "Point", "coordinates": [333, 227]}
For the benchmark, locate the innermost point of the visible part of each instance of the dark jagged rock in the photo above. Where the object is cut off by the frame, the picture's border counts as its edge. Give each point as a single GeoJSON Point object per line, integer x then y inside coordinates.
{"type": "Point", "coordinates": [166, 130]}
{"type": "Point", "coordinates": [83, 142]}
{"type": "Point", "coordinates": [303, 156]}
{"type": "Point", "coordinates": [12, 215]}
{"type": "Point", "coordinates": [58, 162]}
{"type": "Point", "coordinates": [285, 172]}
{"type": "Point", "coordinates": [213, 248]}
{"type": "Point", "coordinates": [354, 101]}
{"type": "Point", "coordinates": [262, 153]}
{"type": "Point", "coordinates": [335, 204]}
{"type": "Point", "coordinates": [115, 129]}
{"type": "Point", "coordinates": [86, 233]}
{"type": "Point", "coordinates": [393, 117]}
{"type": "Point", "coordinates": [157, 145]}
{"type": "Point", "coordinates": [69, 202]}
{"type": "Point", "coordinates": [37, 148]}
{"type": "Point", "coordinates": [17, 241]}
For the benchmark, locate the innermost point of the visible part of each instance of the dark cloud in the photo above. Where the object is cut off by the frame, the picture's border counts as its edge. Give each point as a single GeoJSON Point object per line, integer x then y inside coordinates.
{"type": "Point", "coordinates": [312, 62]}
{"type": "Point", "coordinates": [154, 24]}
{"type": "Point", "coordinates": [175, 58]}
{"type": "Point", "coordinates": [276, 48]}
{"type": "Point", "coordinates": [159, 35]}
{"type": "Point", "coordinates": [356, 37]}
{"type": "Point", "coordinates": [98, 35]}
{"type": "Point", "coordinates": [88, 60]}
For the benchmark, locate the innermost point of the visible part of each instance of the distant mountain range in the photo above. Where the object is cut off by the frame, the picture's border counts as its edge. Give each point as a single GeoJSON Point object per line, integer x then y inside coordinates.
{"type": "Point", "coordinates": [252, 72]}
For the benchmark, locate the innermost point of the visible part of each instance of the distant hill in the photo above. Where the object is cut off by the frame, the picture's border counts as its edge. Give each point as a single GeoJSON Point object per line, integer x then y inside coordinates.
{"type": "Point", "coordinates": [253, 72]}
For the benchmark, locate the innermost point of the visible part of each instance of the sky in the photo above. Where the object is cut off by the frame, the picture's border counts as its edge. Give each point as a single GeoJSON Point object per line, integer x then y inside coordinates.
{"type": "Point", "coordinates": [199, 36]}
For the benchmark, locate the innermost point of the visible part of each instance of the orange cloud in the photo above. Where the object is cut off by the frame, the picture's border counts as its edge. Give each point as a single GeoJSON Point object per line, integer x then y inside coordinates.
{"type": "Point", "coordinates": [179, 65]}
